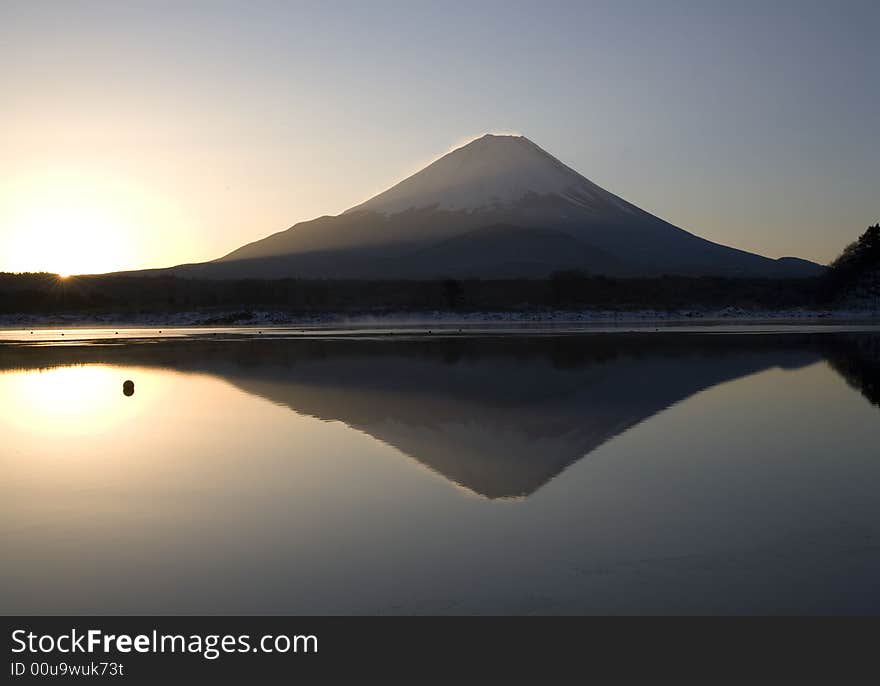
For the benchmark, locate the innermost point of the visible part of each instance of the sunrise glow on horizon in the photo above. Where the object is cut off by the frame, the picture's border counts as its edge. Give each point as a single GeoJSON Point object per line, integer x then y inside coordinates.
{"type": "Point", "coordinates": [79, 221]}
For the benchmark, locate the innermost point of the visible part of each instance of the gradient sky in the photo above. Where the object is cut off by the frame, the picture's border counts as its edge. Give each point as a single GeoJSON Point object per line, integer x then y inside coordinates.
{"type": "Point", "coordinates": [149, 134]}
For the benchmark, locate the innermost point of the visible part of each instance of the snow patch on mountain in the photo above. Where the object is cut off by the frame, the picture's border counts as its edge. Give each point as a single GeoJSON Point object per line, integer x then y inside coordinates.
{"type": "Point", "coordinates": [491, 172]}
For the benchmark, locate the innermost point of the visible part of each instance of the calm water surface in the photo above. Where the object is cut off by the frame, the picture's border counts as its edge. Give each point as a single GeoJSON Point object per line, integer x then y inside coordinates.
{"type": "Point", "coordinates": [603, 473]}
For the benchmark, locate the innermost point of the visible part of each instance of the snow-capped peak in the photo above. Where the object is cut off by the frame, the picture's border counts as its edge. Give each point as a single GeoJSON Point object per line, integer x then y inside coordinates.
{"type": "Point", "coordinates": [490, 171]}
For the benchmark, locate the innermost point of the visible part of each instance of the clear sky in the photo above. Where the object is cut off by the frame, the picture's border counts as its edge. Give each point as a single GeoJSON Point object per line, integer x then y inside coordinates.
{"type": "Point", "coordinates": [149, 134]}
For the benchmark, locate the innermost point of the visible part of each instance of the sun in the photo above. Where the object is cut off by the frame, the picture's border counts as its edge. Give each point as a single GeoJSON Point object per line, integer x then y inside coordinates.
{"type": "Point", "coordinates": [66, 226]}
{"type": "Point", "coordinates": [66, 239]}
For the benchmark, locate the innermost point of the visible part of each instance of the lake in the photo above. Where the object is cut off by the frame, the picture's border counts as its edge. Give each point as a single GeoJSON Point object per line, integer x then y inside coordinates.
{"type": "Point", "coordinates": [463, 473]}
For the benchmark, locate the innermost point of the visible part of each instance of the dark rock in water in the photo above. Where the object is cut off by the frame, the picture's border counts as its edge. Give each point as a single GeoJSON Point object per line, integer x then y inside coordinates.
{"type": "Point", "coordinates": [128, 388]}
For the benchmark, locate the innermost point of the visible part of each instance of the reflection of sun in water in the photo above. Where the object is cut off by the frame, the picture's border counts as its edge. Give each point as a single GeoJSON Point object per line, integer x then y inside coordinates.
{"type": "Point", "coordinates": [66, 400]}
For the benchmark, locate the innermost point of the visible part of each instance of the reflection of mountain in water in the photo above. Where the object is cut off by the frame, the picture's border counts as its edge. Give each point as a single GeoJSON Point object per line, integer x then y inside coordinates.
{"type": "Point", "coordinates": [501, 426]}
{"type": "Point", "coordinates": [500, 416]}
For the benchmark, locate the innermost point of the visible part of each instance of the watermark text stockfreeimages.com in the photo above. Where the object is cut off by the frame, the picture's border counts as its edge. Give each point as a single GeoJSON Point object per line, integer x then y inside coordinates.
{"type": "Point", "coordinates": [211, 646]}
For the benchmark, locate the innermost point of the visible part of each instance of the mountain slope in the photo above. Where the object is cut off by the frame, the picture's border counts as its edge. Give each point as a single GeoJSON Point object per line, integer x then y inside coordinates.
{"type": "Point", "coordinates": [489, 173]}
{"type": "Point", "coordinates": [568, 222]}
{"type": "Point", "coordinates": [505, 251]}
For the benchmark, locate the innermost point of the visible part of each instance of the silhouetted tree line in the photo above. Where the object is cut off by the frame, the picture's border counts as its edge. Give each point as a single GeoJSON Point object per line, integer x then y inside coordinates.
{"type": "Point", "coordinates": [44, 293]}
{"type": "Point", "coordinates": [49, 294]}
{"type": "Point", "coordinates": [859, 258]}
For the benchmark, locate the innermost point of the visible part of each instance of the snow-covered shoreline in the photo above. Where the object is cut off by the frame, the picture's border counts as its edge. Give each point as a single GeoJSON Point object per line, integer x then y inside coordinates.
{"type": "Point", "coordinates": [268, 318]}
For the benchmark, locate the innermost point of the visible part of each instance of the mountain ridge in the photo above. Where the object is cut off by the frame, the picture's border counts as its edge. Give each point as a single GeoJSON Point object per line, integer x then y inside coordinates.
{"type": "Point", "coordinates": [492, 181]}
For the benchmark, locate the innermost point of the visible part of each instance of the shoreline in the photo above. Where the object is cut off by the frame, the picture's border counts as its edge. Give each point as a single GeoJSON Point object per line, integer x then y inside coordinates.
{"type": "Point", "coordinates": [278, 318]}
{"type": "Point", "coordinates": [77, 329]}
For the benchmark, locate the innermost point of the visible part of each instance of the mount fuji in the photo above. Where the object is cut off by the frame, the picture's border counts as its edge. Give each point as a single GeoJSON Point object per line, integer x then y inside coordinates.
{"type": "Point", "coordinates": [498, 207]}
